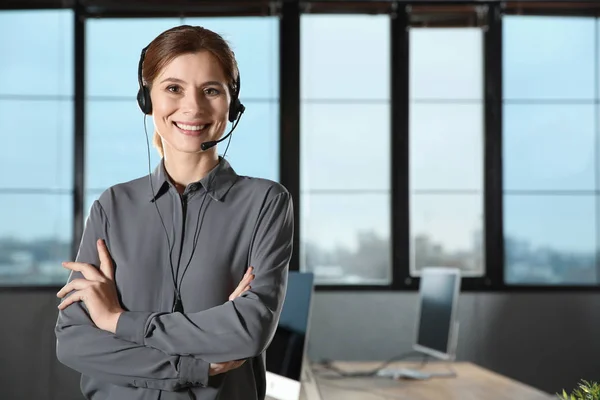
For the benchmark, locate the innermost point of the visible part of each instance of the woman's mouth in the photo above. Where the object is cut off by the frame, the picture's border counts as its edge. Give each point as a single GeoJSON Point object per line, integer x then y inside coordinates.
{"type": "Point", "coordinates": [191, 129]}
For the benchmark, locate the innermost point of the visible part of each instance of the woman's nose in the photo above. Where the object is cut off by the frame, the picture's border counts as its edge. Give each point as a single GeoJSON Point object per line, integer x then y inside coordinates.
{"type": "Point", "coordinates": [195, 102]}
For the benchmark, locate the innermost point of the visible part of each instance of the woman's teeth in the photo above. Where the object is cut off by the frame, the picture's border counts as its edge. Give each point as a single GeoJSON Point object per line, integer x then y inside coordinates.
{"type": "Point", "coordinates": [190, 127]}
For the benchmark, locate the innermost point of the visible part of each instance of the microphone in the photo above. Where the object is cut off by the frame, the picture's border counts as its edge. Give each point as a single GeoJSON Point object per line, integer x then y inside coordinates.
{"type": "Point", "coordinates": [207, 145]}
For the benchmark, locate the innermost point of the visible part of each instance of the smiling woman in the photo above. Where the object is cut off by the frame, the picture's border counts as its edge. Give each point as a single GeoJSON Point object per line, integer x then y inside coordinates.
{"type": "Point", "coordinates": [145, 315]}
{"type": "Point", "coordinates": [198, 102]}
{"type": "Point", "coordinates": [197, 109]}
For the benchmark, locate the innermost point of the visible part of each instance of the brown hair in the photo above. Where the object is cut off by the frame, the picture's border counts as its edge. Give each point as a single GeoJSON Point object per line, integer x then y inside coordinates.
{"type": "Point", "coordinates": [181, 40]}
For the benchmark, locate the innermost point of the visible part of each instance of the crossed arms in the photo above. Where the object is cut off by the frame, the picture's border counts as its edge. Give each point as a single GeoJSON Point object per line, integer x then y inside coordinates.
{"type": "Point", "coordinates": [170, 351]}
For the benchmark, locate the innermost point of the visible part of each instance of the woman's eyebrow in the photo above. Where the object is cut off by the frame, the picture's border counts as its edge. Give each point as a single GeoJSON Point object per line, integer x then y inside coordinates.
{"type": "Point", "coordinates": [217, 83]}
{"type": "Point", "coordinates": [174, 80]}
{"type": "Point", "coordinates": [181, 81]}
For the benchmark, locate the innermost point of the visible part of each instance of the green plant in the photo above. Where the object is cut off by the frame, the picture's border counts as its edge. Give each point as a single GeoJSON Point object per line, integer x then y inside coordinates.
{"type": "Point", "coordinates": [585, 391]}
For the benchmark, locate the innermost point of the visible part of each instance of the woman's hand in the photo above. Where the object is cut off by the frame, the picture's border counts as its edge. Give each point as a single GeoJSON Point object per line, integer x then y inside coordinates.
{"type": "Point", "coordinates": [220, 368]}
{"type": "Point", "coordinates": [98, 290]}
{"type": "Point", "coordinates": [243, 286]}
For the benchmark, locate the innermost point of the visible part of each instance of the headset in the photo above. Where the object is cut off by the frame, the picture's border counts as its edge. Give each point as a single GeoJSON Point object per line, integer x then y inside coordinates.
{"type": "Point", "coordinates": [236, 109]}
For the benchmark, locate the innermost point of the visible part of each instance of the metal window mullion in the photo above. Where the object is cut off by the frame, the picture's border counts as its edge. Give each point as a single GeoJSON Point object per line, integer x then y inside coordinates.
{"type": "Point", "coordinates": [289, 111]}
{"type": "Point", "coordinates": [493, 168]}
{"type": "Point", "coordinates": [79, 126]}
{"type": "Point", "coordinates": [399, 113]}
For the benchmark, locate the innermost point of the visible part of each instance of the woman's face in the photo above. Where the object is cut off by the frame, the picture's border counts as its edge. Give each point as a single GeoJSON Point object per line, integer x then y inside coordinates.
{"type": "Point", "coordinates": [190, 102]}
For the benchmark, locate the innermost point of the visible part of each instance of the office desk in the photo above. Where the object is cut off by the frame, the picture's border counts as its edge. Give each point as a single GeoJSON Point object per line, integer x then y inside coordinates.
{"type": "Point", "coordinates": [471, 383]}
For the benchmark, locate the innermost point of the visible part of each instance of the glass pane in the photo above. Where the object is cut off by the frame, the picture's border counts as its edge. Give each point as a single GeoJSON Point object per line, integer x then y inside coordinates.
{"type": "Point", "coordinates": [37, 57]}
{"type": "Point", "coordinates": [113, 48]}
{"type": "Point", "coordinates": [549, 57]}
{"type": "Point", "coordinates": [255, 42]}
{"type": "Point", "coordinates": [346, 238]}
{"type": "Point", "coordinates": [345, 142]}
{"type": "Point", "coordinates": [37, 140]}
{"type": "Point", "coordinates": [447, 230]}
{"type": "Point", "coordinates": [345, 147]}
{"type": "Point", "coordinates": [550, 239]}
{"type": "Point", "coordinates": [116, 149]}
{"type": "Point", "coordinates": [345, 57]}
{"type": "Point", "coordinates": [35, 237]}
{"type": "Point", "coordinates": [549, 147]}
{"type": "Point", "coordinates": [446, 63]}
{"type": "Point", "coordinates": [446, 146]}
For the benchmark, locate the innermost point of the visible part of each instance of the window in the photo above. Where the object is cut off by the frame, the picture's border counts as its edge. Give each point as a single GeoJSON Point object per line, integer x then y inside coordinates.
{"type": "Point", "coordinates": [345, 141]}
{"type": "Point", "coordinates": [36, 119]}
{"type": "Point", "coordinates": [116, 148]}
{"type": "Point", "coordinates": [551, 118]}
{"type": "Point", "coordinates": [550, 128]}
{"type": "Point", "coordinates": [446, 149]}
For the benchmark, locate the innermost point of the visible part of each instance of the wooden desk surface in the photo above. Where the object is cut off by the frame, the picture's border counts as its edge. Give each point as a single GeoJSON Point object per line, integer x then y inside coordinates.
{"type": "Point", "coordinates": [471, 383]}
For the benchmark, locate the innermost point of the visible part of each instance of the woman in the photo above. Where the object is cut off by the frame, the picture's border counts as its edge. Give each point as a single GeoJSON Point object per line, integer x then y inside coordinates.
{"type": "Point", "coordinates": [180, 277]}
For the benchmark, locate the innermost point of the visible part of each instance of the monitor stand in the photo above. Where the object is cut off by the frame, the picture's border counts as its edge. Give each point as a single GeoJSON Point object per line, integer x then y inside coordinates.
{"type": "Point", "coordinates": [403, 373]}
{"type": "Point", "coordinates": [409, 373]}
{"type": "Point", "coordinates": [414, 373]}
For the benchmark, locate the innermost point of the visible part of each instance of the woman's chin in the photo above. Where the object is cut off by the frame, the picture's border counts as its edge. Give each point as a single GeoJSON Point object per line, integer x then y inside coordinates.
{"type": "Point", "coordinates": [188, 144]}
{"type": "Point", "coordinates": [186, 147]}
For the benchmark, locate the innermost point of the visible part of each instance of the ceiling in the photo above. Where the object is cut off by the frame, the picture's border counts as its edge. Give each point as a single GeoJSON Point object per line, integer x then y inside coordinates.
{"type": "Point", "coordinates": [422, 12]}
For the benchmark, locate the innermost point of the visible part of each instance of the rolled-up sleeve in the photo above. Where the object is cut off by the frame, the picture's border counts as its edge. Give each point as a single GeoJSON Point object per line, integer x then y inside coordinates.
{"type": "Point", "coordinates": [239, 329]}
{"type": "Point", "coordinates": [91, 351]}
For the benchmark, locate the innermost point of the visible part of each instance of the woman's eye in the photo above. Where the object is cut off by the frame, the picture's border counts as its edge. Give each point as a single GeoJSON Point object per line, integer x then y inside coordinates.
{"type": "Point", "coordinates": [212, 91]}
{"type": "Point", "coordinates": [173, 89]}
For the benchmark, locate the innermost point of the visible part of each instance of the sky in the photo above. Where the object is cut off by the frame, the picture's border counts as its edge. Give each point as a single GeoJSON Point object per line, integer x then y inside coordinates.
{"type": "Point", "coordinates": [550, 136]}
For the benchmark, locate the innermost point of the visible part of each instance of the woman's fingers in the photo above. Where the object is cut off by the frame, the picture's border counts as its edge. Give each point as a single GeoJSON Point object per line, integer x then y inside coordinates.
{"type": "Point", "coordinates": [88, 271]}
{"type": "Point", "coordinates": [248, 277]}
{"type": "Point", "coordinates": [238, 292]}
{"type": "Point", "coordinates": [106, 265]}
{"type": "Point", "coordinates": [244, 284]}
{"type": "Point", "coordinates": [75, 284]}
{"type": "Point", "coordinates": [76, 296]}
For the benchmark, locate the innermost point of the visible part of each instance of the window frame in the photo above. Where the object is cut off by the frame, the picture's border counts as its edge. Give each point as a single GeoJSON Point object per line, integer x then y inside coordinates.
{"type": "Point", "coordinates": [453, 13]}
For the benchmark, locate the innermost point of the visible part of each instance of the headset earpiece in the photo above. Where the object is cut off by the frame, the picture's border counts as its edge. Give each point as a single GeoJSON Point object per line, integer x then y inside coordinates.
{"type": "Point", "coordinates": [143, 96]}
{"type": "Point", "coordinates": [143, 99]}
{"type": "Point", "coordinates": [236, 108]}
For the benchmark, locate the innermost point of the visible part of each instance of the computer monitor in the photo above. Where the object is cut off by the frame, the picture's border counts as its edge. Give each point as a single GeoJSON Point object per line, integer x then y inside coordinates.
{"type": "Point", "coordinates": [437, 326]}
{"type": "Point", "coordinates": [288, 370]}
